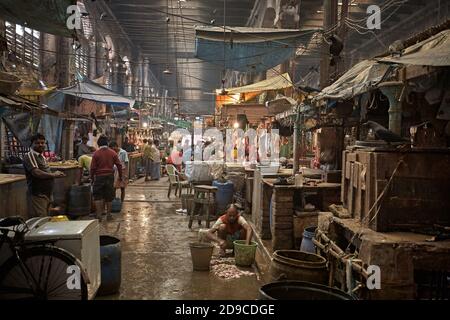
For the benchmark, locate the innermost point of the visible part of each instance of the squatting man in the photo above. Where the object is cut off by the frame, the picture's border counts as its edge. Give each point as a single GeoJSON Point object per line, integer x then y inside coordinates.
{"type": "Point", "coordinates": [230, 227]}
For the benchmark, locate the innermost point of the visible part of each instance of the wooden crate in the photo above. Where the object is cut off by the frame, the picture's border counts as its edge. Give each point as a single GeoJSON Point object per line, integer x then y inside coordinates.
{"type": "Point", "coordinates": [417, 196]}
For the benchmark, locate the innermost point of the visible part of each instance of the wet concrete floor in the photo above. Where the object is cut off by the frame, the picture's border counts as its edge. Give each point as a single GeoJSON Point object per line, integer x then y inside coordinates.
{"type": "Point", "coordinates": [156, 260]}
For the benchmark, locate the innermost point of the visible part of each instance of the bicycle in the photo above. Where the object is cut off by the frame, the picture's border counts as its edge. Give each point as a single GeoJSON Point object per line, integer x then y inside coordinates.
{"type": "Point", "coordinates": [36, 270]}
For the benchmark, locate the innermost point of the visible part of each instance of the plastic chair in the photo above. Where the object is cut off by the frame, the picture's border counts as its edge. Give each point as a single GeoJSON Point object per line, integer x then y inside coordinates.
{"type": "Point", "coordinates": [174, 181]}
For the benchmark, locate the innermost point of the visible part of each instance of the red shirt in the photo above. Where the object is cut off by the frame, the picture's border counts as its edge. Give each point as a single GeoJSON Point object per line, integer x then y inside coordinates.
{"type": "Point", "coordinates": [231, 228]}
{"type": "Point", "coordinates": [103, 162]}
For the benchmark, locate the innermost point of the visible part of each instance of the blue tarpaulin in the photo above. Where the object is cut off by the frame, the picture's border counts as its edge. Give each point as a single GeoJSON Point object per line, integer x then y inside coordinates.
{"type": "Point", "coordinates": [51, 126]}
{"type": "Point", "coordinates": [249, 49]}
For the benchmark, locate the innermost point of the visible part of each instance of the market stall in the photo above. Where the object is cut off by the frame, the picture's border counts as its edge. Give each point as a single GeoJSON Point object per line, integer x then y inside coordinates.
{"type": "Point", "coordinates": [62, 186]}
{"type": "Point", "coordinates": [135, 161]}
{"type": "Point", "coordinates": [13, 195]}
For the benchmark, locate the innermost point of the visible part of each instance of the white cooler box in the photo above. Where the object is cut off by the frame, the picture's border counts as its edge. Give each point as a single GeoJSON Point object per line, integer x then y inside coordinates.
{"type": "Point", "coordinates": [80, 238]}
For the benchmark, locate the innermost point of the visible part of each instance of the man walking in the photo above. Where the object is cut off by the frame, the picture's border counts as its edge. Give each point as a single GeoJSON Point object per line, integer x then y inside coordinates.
{"type": "Point", "coordinates": [102, 175]}
{"type": "Point", "coordinates": [40, 179]}
{"type": "Point", "coordinates": [123, 157]}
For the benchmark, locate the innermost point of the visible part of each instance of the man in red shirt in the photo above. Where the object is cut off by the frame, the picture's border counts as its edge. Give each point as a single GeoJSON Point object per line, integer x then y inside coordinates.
{"type": "Point", "coordinates": [102, 175]}
{"type": "Point", "coordinates": [230, 227]}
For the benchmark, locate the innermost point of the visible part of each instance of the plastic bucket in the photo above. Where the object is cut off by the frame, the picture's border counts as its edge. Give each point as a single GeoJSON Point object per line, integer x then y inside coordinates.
{"type": "Point", "coordinates": [111, 267]}
{"type": "Point", "coordinates": [116, 205]}
{"type": "Point", "coordinates": [244, 254]}
{"type": "Point", "coordinates": [300, 290]}
{"type": "Point", "coordinates": [307, 244]}
{"type": "Point", "coordinates": [201, 254]}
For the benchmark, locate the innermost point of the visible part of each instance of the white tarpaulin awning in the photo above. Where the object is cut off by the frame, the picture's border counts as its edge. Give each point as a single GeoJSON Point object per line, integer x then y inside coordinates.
{"type": "Point", "coordinates": [280, 104]}
{"type": "Point", "coordinates": [359, 79]}
{"type": "Point", "coordinates": [282, 81]}
{"type": "Point", "coordinates": [434, 51]}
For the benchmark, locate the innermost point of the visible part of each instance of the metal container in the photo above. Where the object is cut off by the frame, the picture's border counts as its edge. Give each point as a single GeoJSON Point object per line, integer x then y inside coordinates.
{"type": "Point", "coordinates": [80, 238]}
{"type": "Point", "coordinates": [301, 290]}
{"type": "Point", "coordinates": [111, 265]}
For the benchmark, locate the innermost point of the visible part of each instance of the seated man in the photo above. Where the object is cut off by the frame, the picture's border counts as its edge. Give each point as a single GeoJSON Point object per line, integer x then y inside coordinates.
{"type": "Point", "coordinates": [230, 227]}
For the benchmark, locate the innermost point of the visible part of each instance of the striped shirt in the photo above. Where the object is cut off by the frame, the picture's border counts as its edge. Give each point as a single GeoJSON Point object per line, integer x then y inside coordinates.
{"type": "Point", "coordinates": [37, 186]}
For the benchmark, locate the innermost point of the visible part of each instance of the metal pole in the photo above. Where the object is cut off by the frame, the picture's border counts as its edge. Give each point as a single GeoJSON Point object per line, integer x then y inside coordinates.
{"type": "Point", "coordinates": [295, 168]}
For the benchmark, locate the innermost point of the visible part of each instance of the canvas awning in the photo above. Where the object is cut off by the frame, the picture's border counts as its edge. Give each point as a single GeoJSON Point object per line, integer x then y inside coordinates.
{"type": "Point", "coordinates": [249, 49]}
{"type": "Point", "coordinates": [87, 89]}
{"type": "Point", "coordinates": [276, 83]}
{"type": "Point", "coordinates": [359, 79]}
{"type": "Point", "coordinates": [434, 51]}
{"type": "Point", "coordinates": [280, 104]}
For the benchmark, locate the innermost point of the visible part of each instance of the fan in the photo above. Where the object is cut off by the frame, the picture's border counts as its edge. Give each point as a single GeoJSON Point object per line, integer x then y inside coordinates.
{"type": "Point", "coordinates": [223, 92]}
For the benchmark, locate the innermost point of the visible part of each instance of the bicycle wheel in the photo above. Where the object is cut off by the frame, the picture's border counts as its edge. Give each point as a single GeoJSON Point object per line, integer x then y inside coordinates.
{"type": "Point", "coordinates": [44, 275]}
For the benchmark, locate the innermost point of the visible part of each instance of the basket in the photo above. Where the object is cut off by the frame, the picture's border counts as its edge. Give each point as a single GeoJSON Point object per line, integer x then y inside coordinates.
{"type": "Point", "coordinates": [9, 83]}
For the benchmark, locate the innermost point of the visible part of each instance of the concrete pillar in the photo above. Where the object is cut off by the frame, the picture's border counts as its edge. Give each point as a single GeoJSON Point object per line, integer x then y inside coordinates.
{"type": "Point", "coordinates": [118, 76]}
{"type": "Point", "coordinates": [146, 78]}
{"type": "Point", "coordinates": [393, 91]}
{"type": "Point", "coordinates": [93, 60]}
{"type": "Point", "coordinates": [100, 58]}
{"type": "Point", "coordinates": [62, 62]}
{"type": "Point", "coordinates": [48, 59]}
{"type": "Point", "coordinates": [282, 228]}
{"type": "Point", "coordinates": [330, 19]}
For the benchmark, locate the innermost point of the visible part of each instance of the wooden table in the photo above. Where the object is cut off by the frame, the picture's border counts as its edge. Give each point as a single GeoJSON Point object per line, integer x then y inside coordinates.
{"type": "Point", "coordinates": [321, 185]}
{"type": "Point", "coordinates": [13, 195]}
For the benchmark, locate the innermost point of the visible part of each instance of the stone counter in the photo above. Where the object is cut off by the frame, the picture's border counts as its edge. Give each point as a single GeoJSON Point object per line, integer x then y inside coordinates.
{"type": "Point", "coordinates": [13, 195]}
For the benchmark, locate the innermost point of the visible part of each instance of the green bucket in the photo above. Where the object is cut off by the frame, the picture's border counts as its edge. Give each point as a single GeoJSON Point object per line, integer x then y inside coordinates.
{"type": "Point", "coordinates": [244, 254]}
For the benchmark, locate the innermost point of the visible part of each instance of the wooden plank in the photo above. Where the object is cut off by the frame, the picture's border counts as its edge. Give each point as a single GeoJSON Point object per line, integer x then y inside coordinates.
{"type": "Point", "coordinates": [357, 213]}
{"type": "Point", "coordinates": [351, 156]}
{"type": "Point", "coordinates": [347, 169]}
{"type": "Point", "coordinates": [344, 180]}
{"type": "Point", "coordinates": [350, 191]}
{"type": "Point", "coordinates": [11, 178]}
{"type": "Point", "coordinates": [356, 172]}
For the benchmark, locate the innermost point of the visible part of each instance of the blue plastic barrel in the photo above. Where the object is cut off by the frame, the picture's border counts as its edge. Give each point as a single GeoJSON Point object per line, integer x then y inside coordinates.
{"type": "Point", "coordinates": [224, 195]}
{"type": "Point", "coordinates": [111, 268]}
{"type": "Point", "coordinates": [307, 244]}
